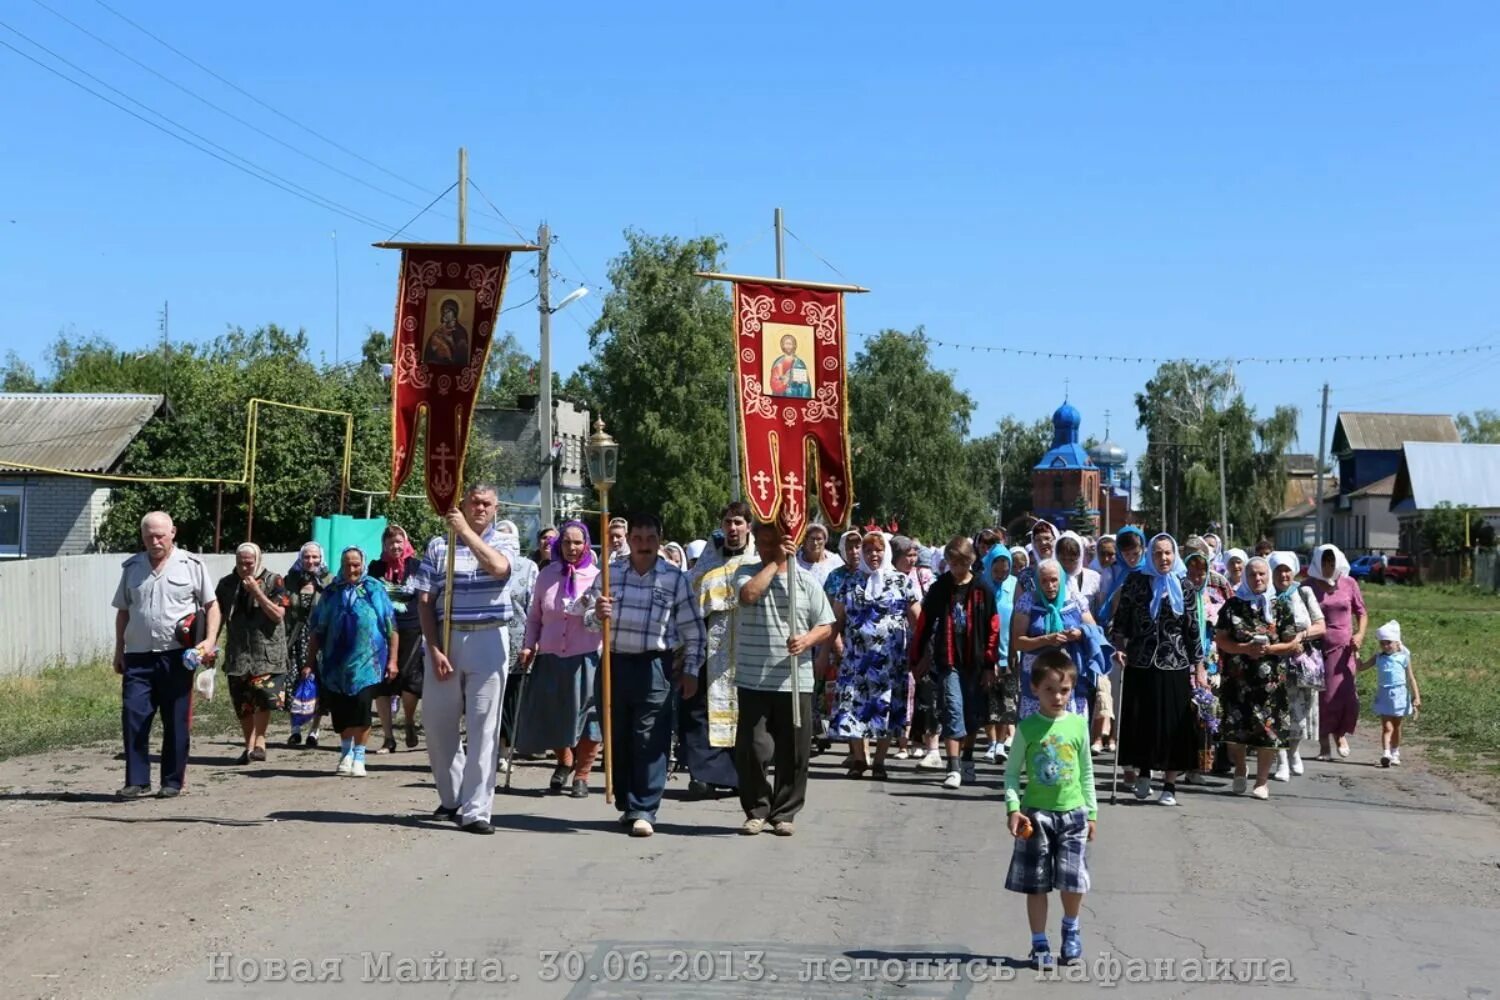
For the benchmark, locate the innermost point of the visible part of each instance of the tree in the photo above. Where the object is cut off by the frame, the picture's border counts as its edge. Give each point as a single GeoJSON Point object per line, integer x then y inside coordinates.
{"type": "Point", "coordinates": [17, 375]}
{"type": "Point", "coordinates": [908, 422]}
{"type": "Point", "coordinates": [1447, 528]}
{"type": "Point", "coordinates": [660, 376]}
{"type": "Point", "coordinates": [1480, 427]}
{"type": "Point", "coordinates": [1018, 447]}
{"type": "Point", "coordinates": [1080, 520]}
{"type": "Point", "coordinates": [1184, 408]}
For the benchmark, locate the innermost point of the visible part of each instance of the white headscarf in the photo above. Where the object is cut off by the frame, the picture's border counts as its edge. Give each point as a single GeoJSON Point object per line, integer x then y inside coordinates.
{"type": "Point", "coordinates": [1263, 602]}
{"type": "Point", "coordinates": [877, 577]}
{"type": "Point", "coordinates": [1340, 565]}
{"type": "Point", "coordinates": [682, 561]}
{"type": "Point", "coordinates": [254, 549]}
{"type": "Point", "coordinates": [1389, 632]}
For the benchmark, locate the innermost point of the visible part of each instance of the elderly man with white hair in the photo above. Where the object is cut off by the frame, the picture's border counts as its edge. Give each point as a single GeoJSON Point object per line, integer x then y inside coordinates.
{"type": "Point", "coordinates": [164, 594]}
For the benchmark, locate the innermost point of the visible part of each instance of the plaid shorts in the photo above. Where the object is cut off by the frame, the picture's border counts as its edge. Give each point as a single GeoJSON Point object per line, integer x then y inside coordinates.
{"type": "Point", "coordinates": [1053, 856]}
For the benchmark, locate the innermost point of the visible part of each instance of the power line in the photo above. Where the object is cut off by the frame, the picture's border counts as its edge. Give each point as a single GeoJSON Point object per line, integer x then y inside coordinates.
{"type": "Point", "coordinates": [224, 111]}
{"type": "Point", "coordinates": [246, 166]}
{"type": "Point", "coordinates": [242, 91]}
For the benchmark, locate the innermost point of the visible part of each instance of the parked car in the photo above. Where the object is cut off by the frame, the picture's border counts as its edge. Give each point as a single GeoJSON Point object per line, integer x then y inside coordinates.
{"type": "Point", "coordinates": [1399, 569]}
{"type": "Point", "coordinates": [1370, 568]}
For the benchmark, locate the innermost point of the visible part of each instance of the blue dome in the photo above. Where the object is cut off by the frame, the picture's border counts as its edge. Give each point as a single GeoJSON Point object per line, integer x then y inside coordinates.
{"type": "Point", "coordinates": [1066, 417]}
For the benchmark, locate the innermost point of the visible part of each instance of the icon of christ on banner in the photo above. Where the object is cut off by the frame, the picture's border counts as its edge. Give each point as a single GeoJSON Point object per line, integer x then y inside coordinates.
{"type": "Point", "coordinates": [787, 374]}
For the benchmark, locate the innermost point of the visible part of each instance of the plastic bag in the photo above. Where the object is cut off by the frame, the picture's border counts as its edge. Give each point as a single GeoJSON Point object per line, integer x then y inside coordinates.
{"type": "Point", "coordinates": [304, 703]}
{"type": "Point", "coordinates": [204, 684]}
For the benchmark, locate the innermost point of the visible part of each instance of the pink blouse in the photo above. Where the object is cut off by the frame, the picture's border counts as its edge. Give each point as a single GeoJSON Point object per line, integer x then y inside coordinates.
{"type": "Point", "coordinates": [549, 626]}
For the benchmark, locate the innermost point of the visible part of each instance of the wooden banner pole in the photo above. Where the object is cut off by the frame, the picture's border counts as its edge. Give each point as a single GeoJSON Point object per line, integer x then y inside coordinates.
{"type": "Point", "coordinates": [606, 699]}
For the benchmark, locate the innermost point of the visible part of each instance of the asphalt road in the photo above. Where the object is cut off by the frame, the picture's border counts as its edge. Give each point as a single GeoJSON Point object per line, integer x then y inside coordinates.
{"type": "Point", "coordinates": [1350, 882]}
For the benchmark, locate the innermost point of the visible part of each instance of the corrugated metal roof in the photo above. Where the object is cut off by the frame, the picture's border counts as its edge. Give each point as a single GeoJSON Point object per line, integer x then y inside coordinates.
{"type": "Point", "coordinates": [79, 432]}
{"type": "Point", "coordinates": [1389, 431]}
{"type": "Point", "coordinates": [1461, 474]}
{"type": "Point", "coordinates": [1295, 513]}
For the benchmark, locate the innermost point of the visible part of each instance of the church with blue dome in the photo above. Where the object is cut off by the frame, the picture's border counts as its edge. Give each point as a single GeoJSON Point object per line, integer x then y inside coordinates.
{"type": "Point", "coordinates": [1068, 471]}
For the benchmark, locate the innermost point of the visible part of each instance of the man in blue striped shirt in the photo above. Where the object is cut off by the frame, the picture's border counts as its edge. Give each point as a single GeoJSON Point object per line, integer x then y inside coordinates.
{"type": "Point", "coordinates": [652, 611]}
{"type": "Point", "coordinates": [468, 677]}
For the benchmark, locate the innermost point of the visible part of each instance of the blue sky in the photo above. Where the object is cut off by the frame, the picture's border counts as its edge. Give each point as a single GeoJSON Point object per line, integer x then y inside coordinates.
{"type": "Point", "coordinates": [1207, 180]}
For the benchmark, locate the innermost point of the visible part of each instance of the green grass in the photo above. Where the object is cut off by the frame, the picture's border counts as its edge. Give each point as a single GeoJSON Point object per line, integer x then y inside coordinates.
{"type": "Point", "coordinates": [68, 706]}
{"type": "Point", "coordinates": [1452, 633]}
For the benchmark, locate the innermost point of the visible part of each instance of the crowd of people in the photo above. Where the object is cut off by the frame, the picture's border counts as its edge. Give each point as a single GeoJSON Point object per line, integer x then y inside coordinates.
{"type": "Point", "coordinates": [1178, 660]}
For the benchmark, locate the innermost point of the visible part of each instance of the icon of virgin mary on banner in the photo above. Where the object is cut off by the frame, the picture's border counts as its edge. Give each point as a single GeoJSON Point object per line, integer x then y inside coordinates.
{"type": "Point", "coordinates": [793, 397]}
{"type": "Point", "coordinates": [447, 300]}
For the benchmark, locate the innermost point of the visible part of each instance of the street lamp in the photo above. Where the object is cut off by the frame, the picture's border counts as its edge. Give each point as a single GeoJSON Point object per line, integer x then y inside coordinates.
{"type": "Point", "coordinates": [603, 458]}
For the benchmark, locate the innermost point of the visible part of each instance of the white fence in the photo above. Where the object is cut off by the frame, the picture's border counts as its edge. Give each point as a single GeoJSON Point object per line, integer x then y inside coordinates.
{"type": "Point", "coordinates": [57, 611]}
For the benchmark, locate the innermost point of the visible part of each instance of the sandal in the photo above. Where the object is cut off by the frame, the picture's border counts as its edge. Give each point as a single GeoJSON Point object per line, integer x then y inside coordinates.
{"type": "Point", "coordinates": [858, 769]}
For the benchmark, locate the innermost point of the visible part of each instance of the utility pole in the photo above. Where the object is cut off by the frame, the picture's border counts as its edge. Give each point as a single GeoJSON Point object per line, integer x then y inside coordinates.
{"type": "Point", "coordinates": [1322, 463]}
{"type": "Point", "coordinates": [544, 389]}
{"type": "Point", "coordinates": [1223, 494]}
{"type": "Point", "coordinates": [166, 346]}
{"type": "Point", "coordinates": [1163, 488]}
{"type": "Point", "coordinates": [337, 310]}
{"type": "Point", "coordinates": [462, 195]}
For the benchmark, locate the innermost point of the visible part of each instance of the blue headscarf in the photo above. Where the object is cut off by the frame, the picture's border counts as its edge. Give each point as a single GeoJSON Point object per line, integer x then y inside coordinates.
{"type": "Point", "coordinates": [1122, 569]}
{"type": "Point", "coordinates": [1166, 585]}
{"type": "Point", "coordinates": [349, 592]}
{"type": "Point", "coordinates": [1055, 606]}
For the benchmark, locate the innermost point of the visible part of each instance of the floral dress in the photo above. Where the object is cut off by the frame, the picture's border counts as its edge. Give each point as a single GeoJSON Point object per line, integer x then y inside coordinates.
{"type": "Point", "coordinates": [298, 616]}
{"type": "Point", "coordinates": [872, 678]}
{"type": "Point", "coordinates": [1253, 695]}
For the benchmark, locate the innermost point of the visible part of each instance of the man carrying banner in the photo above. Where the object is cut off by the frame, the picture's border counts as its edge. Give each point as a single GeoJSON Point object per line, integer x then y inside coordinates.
{"type": "Point", "coordinates": [652, 611]}
{"type": "Point", "coordinates": [766, 732]}
{"type": "Point", "coordinates": [466, 678]}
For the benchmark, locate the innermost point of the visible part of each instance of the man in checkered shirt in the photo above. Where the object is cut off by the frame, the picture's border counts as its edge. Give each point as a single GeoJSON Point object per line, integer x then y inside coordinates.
{"type": "Point", "coordinates": [652, 612]}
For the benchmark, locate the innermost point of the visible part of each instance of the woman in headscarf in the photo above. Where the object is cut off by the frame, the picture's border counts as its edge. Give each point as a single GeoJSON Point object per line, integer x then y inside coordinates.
{"type": "Point", "coordinates": [1130, 555]}
{"type": "Point", "coordinates": [396, 568]}
{"type": "Point", "coordinates": [674, 554]}
{"type": "Point", "coordinates": [253, 601]}
{"type": "Point", "coordinates": [1050, 617]}
{"type": "Point", "coordinates": [1304, 668]}
{"type": "Point", "coordinates": [958, 641]}
{"type": "Point", "coordinates": [354, 628]}
{"type": "Point", "coordinates": [1156, 629]}
{"type": "Point", "coordinates": [1002, 695]}
{"type": "Point", "coordinates": [1253, 633]}
{"type": "Point", "coordinates": [1020, 561]}
{"type": "Point", "coordinates": [1234, 566]}
{"type": "Point", "coordinates": [306, 581]}
{"type": "Point", "coordinates": [1043, 547]}
{"type": "Point", "coordinates": [1344, 620]}
{"type": "Point", "coordinates": [849, 543]}
{"type": "Point", "coordinates": [563, 656]}
{"type": "Point", "coordinates": [825, 671]}
{"type": "Point", "coordinates": [1210, 591]}
{"type": "Point", "coordinates": [876, 610]}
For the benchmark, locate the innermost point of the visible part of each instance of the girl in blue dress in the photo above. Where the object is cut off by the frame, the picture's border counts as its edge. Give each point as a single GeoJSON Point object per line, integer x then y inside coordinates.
{"type": "Point", "coordinates": [1396, 693]}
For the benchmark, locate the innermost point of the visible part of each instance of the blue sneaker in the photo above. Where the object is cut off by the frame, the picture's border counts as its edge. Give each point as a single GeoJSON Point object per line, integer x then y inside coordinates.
{"type": "Point", "coordinates": [1041, 958]}
{"type": "Point", "coordinates": [1072, 946]}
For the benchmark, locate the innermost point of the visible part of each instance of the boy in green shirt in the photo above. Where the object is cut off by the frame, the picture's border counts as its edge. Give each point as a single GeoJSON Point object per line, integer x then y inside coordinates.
{"type": "Point", "coordinates": [1058, 810]}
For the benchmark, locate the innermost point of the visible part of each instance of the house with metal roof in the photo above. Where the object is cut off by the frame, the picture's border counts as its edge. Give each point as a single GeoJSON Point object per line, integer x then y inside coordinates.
{"type": "Point", "coordinates": [1432, 473]}
{"type": "Point", "coordinates": [45, 439]}
{"type": "Point", "coordinates": [1367, 448]}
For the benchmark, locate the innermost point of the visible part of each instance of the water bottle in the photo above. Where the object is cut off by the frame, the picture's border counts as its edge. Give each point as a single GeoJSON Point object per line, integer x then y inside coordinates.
{"type": "Point", "coordinates": [190, 658]}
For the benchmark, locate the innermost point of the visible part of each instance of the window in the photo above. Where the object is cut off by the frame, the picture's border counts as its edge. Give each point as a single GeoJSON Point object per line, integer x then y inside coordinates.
{"type": "Point", "coordinates": [12, 521]}
{"type": "Point", "coordinates": [1057, 490]}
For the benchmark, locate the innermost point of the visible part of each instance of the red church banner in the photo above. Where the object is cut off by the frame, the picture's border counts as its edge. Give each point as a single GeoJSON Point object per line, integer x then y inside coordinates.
{"type": "Point", "coordinates": [446, 303]}
{"type": "Point", "coordinates": [793, 398]}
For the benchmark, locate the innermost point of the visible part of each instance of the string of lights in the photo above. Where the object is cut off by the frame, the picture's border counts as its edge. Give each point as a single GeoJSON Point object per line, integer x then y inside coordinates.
{"type": "Point", "coordinates": [1231, 360]}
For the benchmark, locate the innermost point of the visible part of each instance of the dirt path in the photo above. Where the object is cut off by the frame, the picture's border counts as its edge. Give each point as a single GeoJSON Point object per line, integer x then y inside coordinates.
{"type": "Point", "coordinates": [1366, 882]}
